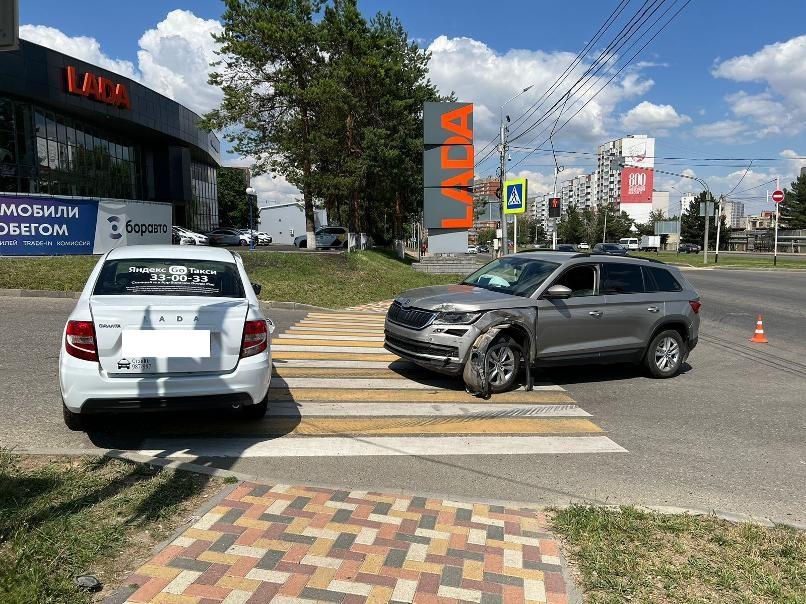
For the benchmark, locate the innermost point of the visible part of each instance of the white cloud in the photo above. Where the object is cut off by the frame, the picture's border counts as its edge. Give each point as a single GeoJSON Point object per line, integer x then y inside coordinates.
{"type": "Point", "coordinates": [173, 59]}
{"type": "Point", "coordinates": [543, 182]}
{"type": "Point", "coordinates": [82, 47]}
{"type": "Point", "coordinates": [782, 68]}
{"type": "Point", "coordinates": [655, 120]}
{"type": "Point", "coordinates": [274, 189]}
{"type": "Point", "coordinates": [475, 72]}
{"type": "Point", "coordinates": [723, 130]}
{"type": "Point", "coordinates": [793, 164]}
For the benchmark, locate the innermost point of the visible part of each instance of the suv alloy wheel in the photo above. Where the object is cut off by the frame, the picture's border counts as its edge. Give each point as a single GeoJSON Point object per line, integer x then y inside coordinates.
{"type": "Point", "coordinates": [503, 364]}
{"type": "Point", "coordinates": [665, 354]}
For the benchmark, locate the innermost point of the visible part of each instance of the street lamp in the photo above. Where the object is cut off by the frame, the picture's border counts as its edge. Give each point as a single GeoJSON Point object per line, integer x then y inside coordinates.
{"type": "Point", "coordinates": [250, 192]}
{"type": "Point", "coordinates": [503, 168]}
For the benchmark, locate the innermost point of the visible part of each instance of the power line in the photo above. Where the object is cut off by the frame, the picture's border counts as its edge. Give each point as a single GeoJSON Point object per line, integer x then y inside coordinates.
{"type": "Point", "coordinates": [631, 28]}
{"type": "Point", "coordinates": [742, 159]}
{"type": "Point", "coordinates": [606, 25]}
{"type": "Point", "coordinates": [655, 35]}
{"type": "Point", "coordinates": [562, 77]}
{"type": "Point", "coordinates": [742, 178]}
{"type": "Point", "coordinates": [772, 180]}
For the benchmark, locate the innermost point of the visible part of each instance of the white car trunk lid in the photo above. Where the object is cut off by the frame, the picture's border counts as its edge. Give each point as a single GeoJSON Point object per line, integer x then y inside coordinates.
{"type": "Point", "coordinates": [159, 333]}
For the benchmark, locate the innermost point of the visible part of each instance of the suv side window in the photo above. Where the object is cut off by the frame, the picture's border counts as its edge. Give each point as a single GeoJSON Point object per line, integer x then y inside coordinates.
{"type": "Point", "coordinates": [661, 279]}
{"type": "Point", "coordinates": [622, 279]}
{"type": "Point", "coordinates": [581, 280]}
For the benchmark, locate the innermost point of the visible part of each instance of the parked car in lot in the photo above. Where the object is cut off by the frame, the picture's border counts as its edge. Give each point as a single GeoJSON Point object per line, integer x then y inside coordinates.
{"type": "Point", "coordinates": [483, 249]}
{"type": "Point", "coordinates": [180, 238]}
{"type": "Point", "coordinates": [610, 248]}
{"type": "Point", "coordinates": [326, 237]}
{"type": "Point", "coordinates": [548, 308]}
{"type": "Point", "coordinates": [583, 246]}
{"type": "Point", "coordinates": [689, 248]}
{"type": "Point", "coordinates": [331, 237]}
{"type": "Point", "coordinates": [565, 247]}
{"type": "Point", "coordinates": [197, 238]}
{"type": "Point", "coordinates": [226, 236]}
{"type": "Point", "coordinates": [161, 328]}
{"type": "Point", "coordinates": [263, 238]}
{"type": "Point", "coordinates": [248, 236]}
{"type": "Point", "coordinates": [472, 249]}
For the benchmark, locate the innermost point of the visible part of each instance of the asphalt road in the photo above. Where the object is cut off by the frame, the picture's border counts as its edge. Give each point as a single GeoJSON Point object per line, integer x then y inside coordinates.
{"type": "Point", "coordinates": [727, 434]}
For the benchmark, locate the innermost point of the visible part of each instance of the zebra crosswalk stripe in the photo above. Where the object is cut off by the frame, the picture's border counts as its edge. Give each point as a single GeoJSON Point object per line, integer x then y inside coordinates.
{"type": "Point", "coordinates": [335, 391]}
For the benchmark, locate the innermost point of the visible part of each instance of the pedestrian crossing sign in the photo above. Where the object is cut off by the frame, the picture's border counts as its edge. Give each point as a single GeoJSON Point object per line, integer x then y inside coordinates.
{"type": "Point", "coordinates": [515, 200]}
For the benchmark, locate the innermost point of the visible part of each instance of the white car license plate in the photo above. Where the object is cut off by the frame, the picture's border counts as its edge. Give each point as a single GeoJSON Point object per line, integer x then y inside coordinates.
{"type": "Point", "coordinates": [166, 343]}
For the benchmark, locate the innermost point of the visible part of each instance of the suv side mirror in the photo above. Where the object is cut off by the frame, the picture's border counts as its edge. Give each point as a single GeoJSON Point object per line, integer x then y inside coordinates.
{"type": "Point", "coordinates": [557, 292]}
{"type": "Point", "coordinates": [257, 287]}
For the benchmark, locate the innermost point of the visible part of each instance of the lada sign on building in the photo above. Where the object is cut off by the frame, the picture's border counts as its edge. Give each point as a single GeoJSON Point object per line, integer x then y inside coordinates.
{"type": "Point", "coordinates": [448, 174]}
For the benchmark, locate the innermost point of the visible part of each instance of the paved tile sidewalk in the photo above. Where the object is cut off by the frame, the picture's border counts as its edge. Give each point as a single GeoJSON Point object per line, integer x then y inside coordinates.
{"type": "Point", "coordinates": [304, 544]}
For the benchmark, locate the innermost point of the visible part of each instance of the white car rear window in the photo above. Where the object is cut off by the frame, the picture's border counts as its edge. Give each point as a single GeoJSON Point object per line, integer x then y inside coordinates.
{"type": "Point", "coordinates": [174, 277]}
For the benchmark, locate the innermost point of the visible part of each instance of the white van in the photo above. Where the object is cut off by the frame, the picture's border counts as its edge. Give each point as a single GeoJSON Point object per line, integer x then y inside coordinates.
{"type": "Point", "coordinates": [630, 243]}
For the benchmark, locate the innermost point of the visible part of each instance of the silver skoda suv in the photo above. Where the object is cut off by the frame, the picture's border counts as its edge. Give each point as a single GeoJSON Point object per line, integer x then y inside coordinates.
{"type": "Point", "coordinates": [548, 308]}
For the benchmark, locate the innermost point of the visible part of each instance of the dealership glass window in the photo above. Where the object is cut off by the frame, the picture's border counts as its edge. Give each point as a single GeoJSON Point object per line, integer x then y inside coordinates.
{"type": "Point", "coordinates": [202, 213]}
{"type": "Point", "coordinates": [8, 153]}
{"type": "Point", "coordinates": [61, 156]}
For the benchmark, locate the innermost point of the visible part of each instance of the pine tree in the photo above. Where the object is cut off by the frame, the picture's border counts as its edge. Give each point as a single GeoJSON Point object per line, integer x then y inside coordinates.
{"type": "Point", "coordinates": [693, 226]}
{"type": "Point", "coordinates": [270, 73]}
{"type": "Point", "coordinates": [793, 207]}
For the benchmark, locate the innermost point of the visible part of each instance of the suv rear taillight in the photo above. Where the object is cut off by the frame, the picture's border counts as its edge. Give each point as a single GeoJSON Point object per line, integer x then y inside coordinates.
{"type": "Point", "coordinates": [695, 306]}
{"type": "Point", "coordinates": [79, 340]}
{"type": "Point", "coordinates": [255, 338]}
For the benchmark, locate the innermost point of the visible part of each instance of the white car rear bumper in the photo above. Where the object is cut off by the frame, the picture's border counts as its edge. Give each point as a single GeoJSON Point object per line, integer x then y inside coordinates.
{"type": "Point", "coordinates": [84, 381]}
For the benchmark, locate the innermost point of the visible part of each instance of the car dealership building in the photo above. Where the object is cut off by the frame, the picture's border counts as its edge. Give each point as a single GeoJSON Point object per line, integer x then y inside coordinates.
{"type": "Point", "coordinates": [78, 131]}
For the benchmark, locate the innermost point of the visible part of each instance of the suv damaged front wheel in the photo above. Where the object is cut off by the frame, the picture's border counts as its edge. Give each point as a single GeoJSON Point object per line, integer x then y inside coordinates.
{"type": "Point", "coordinates": [665, 354]}
{"type": "Point", "coordinates": [503, 364]}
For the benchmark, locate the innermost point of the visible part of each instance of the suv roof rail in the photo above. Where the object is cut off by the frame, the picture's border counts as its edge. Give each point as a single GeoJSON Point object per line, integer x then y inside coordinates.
{"type": "Point", "coordinates": [602, 253]}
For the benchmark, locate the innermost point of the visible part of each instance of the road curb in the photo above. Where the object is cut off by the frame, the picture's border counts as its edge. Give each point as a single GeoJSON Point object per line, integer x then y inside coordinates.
{"type": "Point", "coordinates": [164, 462]}
{"type": "Point", "coordinates": [38, 293]}
{"type": "Point", "coordinates": [47, 293]}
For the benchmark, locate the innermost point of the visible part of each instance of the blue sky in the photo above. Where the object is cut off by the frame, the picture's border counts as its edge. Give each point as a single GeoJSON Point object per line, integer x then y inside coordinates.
{"type": "Point", "coordinates": [485, 51]}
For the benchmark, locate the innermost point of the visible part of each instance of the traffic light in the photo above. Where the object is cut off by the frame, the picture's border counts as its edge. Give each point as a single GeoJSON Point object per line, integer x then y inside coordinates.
{"type": "Point", "coordinates": [555, 207]}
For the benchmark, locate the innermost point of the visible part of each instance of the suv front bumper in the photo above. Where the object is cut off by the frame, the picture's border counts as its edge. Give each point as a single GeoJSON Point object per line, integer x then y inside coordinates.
{"type": "Point", "coordinates": [441, 348]}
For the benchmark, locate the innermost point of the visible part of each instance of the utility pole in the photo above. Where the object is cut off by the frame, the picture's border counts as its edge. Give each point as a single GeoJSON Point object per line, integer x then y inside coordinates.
{"type": "Point", "coordinates": [718, 228]}
{"type": "Point", "coordinates": [707, 226]}
{"type": "Point", "coordinates": [777, 215]}
{"type": "Point", "coordinates": [503, 168]}
{"type": "Point", "coordinates": [502, 179]}
{"type": "Point", "coordinates": [250, 195]}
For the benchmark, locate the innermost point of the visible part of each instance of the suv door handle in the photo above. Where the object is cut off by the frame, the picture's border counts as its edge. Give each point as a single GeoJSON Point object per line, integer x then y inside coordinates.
{"type": "Point", "coordinates": [653, 309]}
{"type": "Point", "coordinates": [595, 313]}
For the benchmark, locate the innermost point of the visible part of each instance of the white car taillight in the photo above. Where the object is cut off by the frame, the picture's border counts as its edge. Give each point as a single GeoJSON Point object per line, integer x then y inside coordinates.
{"type": "Point", "coordinates": [255, 338]}
{"type": "Point", "coordinates": [79, 340]}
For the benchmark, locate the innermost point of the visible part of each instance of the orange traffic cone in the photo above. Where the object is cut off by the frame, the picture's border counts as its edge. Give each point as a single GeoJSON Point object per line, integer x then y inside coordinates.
{"type": "Point", "coordinates": [759, 336]}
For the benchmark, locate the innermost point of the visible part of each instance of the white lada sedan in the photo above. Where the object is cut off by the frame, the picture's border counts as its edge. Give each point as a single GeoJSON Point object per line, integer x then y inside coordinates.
{"type": "Point", "coordinates": [162, 327]}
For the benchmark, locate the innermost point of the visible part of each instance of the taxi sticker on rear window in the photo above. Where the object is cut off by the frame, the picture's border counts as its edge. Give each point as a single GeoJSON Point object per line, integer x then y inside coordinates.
{"type": "Point", "coordinates": [150, 276]}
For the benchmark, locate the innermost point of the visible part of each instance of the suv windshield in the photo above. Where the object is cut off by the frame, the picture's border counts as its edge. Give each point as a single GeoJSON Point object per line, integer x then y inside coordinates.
{"type": "Point", "coordinates": [158, 277]}
{"type": "Point", "coordinates": [512, 275]}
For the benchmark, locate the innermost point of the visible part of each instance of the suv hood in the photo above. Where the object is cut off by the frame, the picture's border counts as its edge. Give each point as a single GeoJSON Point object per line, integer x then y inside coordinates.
{"type": "Point", "coordinates": [460, 298]}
